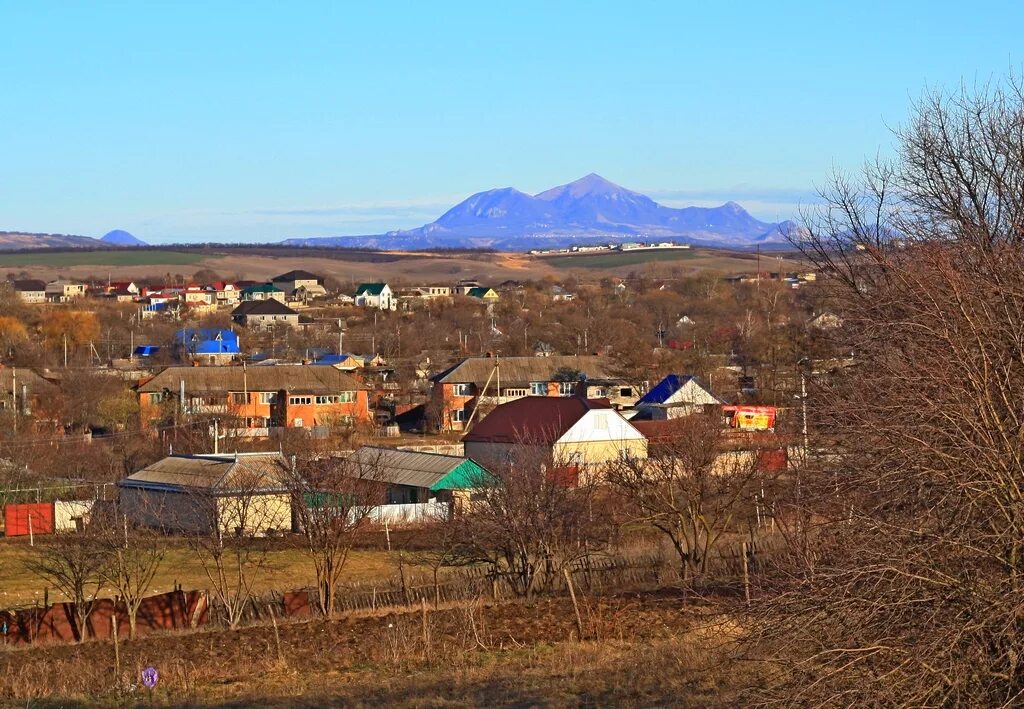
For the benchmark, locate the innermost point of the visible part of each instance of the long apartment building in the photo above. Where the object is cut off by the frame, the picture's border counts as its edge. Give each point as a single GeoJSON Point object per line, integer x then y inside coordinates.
{"type": "Point", "coordinates": [257, 398]}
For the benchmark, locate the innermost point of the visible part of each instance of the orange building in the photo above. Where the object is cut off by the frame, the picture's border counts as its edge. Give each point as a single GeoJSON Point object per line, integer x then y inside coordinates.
{"type": "Point", "coordinates": [458, 390]}
{"type": "Point", "coordinates": [257, 398]}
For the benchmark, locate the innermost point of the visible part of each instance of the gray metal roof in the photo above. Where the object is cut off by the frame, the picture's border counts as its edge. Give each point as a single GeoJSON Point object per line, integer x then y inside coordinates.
{"type": "Point", "coordinates": [400, 467]}
{"type": "Point", "coordinates": [521, 371]}
{"type": "Point", "coordinates": [217, 474]}
{"type": "Point", "coordinates": [298, 379]}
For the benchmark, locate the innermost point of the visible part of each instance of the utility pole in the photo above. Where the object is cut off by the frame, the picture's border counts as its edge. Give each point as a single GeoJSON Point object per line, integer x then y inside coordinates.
{"type": "Point", "coordinates": [216, 437]}
{"type": "Point", "coordinates": [341, 336]}
{"type": "Point", "coordinates": [65, 350]}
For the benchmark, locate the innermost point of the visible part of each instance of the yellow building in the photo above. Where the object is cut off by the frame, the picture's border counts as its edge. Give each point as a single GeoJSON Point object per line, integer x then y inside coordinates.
{"type": "Point", "coordinates": [236, 493]}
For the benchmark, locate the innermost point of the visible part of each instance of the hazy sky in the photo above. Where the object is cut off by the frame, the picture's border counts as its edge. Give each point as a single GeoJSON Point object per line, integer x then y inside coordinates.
{"type": "Point", "coordinates": [237, 121]}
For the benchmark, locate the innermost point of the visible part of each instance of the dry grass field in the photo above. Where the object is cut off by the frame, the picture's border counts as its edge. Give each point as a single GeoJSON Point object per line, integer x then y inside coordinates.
{"type": "Point", "coordinates": [286, 569]}
{"type": "Point", "coordinates": [350, 267]}
{"type": "Point", "coordinates": [638, 649]}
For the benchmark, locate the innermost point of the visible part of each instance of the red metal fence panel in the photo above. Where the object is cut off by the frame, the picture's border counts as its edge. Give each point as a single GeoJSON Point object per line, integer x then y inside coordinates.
{"type": "Point", "coordinates": [20, 519]}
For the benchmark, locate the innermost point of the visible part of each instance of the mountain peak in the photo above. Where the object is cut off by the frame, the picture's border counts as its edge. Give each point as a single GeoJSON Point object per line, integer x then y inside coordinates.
{"type": "Point", "coordinates": [588, 185]}
{"type": "Point", "coordinates": [120, 237]}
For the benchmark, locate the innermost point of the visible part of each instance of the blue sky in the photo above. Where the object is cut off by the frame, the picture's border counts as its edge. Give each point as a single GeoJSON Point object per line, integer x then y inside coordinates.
{"type": "Point", "coordinates": [260, 121]}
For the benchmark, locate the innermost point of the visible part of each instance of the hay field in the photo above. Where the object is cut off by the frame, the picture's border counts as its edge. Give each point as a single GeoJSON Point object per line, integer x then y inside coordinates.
{"type": "Point", "coordinates": [351, 267]}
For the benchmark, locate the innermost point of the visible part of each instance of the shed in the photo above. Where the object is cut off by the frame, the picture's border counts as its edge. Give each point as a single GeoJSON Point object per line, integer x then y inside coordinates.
{"type": "Point", "coordinates": [413, 476]}
{"type": "Point", "coordinates": [235, 493]}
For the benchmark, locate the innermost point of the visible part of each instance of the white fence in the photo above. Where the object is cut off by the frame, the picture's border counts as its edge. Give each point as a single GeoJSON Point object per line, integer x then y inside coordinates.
{"type": "Point", "coordinates": [396, 515]}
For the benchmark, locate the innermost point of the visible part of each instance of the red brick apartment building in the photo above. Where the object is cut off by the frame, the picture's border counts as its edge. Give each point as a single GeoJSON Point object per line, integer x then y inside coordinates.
{"type": "Point", "coordinates": [258, 398]}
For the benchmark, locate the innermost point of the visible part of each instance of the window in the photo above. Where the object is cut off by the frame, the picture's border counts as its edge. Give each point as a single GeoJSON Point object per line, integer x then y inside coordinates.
{"type": "Point", "coordinates": [299, 400]}
{"type": "Point", "coordinates": [321, 400]}
{"type": "Point", "coordinates": [156, 397]}
{"type": "Point", "coordinates": [239, 398]}
{"type": "Point", "coordinates": [298, 423]}
{"type": "Point", "coordinates": [514, 393]}
{"type": "Point", "coordinates": [626, 391]}
{"type": "Point", "coordinates": [539, 388]}
{"type": "Point", "coordinates": [458, 415]}
{"type": "Point", "coordinates": [347, 397]}
{"type": "Point", "coordinates": [461, 389]}
{"type": "Point", "coordinates": [565, 388]}
{"type": "Point", "coordinates": [268, 397]}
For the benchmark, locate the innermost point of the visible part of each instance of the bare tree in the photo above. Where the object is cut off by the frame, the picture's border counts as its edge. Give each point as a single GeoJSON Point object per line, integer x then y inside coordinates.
{"type": "Point", "coordinates": [229, 548]}
{"type": "Point", "coordinates": [910, 592]}
{"type": "Point", "coordinates": [332, 498]}
{"type": "Point", "coordinates": [133, 556]}
{"type": "Point", "coordinates": [692, 489]}
{"type": "Point", "coordinates": [531, 516]}
{"type": "Point", "coordinates": [73, 564]}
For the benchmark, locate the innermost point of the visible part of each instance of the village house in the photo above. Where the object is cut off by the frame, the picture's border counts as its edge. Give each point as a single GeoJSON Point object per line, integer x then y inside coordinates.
{"type": "Point", "coordinates": [673, 397]}
{"type": "Point", "coordinates": [229, 494]}
{"type": "Point", "coordinates": [458, 390]}
{"type": "Point", "coordinates": [30, 290]}
{"type": "Point", "coordinates": [571, 432]}
{"type": "Point", "coordinates": [263, 291]}
{"type": "Point", "coordinates": [483, 293]}
{"type": "Point", "coordinates": [620, 395]}
{"type": "Point", "coordinates": [257, 399]}
{"type": "Point", "coordinates": [375, 295]}
{"type": "Point", "coordinates": [62, 291]}
{"type": "Point", "coordinates": [300, 285]}
{"type": "Point", "coordinates": [464, 286]}
{"type": "Point", "coordinates": [224, 293]}
{"type": "Point", "coordinates": [206, 345]}
{"type": "Point", "coordinates": [413, 477]}
{"type": "Point", "coordinates": [263, 314]}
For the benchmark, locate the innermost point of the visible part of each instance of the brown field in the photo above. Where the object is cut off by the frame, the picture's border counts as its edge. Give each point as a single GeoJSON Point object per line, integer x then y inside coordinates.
{"type": "Point", "coordinates": [638, 649]}
{"type": "Point", "coordinates": [286, 569]}
{"type": "Point", "coordinates": [350, 267]}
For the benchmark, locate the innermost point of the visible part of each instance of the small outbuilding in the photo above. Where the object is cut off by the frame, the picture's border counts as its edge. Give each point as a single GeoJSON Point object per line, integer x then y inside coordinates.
{"type": "Point", "coordinates": [235, 493]}
{"type": "Point", "coordinates": [415, 477]}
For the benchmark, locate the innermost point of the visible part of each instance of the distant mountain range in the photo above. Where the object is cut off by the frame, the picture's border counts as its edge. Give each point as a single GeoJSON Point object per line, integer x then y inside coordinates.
{"type": "Point", "coordinates": [18, 240]}
{"type": "Point", "coordinates": [589, 210]}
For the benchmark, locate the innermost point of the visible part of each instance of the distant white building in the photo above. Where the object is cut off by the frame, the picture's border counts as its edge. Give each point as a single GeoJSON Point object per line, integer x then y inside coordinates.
{"type": "Point", "coordinates": [375, 295]}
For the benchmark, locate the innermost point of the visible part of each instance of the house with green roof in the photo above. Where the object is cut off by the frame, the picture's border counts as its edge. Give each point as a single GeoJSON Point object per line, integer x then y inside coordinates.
{"type": "Point", "coordinates": [375, 295]}
{"type": "Point", "coordinates": [411, 477]}
{"type": "Point", "coordinates": [488, 295]}
{"type": "Point", "coordinates": [263, 291]}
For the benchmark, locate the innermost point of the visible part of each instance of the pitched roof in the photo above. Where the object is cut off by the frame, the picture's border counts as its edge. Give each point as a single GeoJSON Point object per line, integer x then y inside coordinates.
{"type": "Point", "coordinates": [533, 419]}
{"type": "Point", "coordinates": [480, 292]}
{"type": "Point", "coordinates": [28, 285]}
{"type": "Point", "coordinates": [520, 371]}
{"type": "Point", "coordinates": [215, 474]}
{"type": "Point", "coordinates": [296, 275]}
{"type": "Point", "coordinates": [263, 307]}
{"type": "Point", "coordinates": [370, 288]}
{"type": "Point", "coordinates": [661, 391]}
{"type": "Point", "coordinates": [416, 469]}
{"type": "Point", "coordinates": [293, 378]}
{"type": "Point", "coordinates": [666, 388]}
{"type": "Point", "coordinates": [263, 288]}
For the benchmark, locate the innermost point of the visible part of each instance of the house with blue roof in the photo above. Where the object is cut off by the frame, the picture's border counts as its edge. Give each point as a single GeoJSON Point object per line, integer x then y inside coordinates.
{"type": "Point", "coordinates": [345, 362]}
{"type": "Point", "coordinates": [675, 396]}
{"type": "Point", "coordinates": [208, 345]}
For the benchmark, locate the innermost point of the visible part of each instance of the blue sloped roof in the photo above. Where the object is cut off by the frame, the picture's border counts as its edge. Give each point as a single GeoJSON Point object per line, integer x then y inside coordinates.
{"type": "Point", "coordinates": [208, 340]}
{"type": "Point", "coordinates": [664, 389]}
{"type": "Point", "coordinates": [146, 350]}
